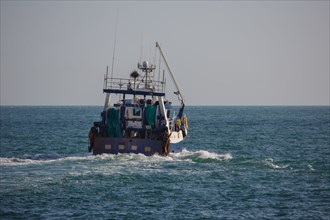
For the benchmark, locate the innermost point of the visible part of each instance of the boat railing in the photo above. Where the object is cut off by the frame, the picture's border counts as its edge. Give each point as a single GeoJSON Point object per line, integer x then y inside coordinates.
{"type": "Point", "coordinates": [134, 84]}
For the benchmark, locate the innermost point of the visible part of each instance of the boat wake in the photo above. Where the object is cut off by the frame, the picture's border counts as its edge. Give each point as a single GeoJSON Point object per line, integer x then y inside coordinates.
{"type": "Point", "coordinates": [39, 159]}
{"type": "Point", "coordinates": [200, 156]}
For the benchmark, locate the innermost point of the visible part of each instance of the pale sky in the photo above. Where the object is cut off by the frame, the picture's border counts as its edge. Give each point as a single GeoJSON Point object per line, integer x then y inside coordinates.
{"type": "Point", "coordinates": [221, 52]}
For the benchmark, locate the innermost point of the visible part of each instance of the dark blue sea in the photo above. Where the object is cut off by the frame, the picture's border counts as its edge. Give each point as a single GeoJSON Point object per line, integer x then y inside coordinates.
{"type": "Point", "coordinates": [238, 163]}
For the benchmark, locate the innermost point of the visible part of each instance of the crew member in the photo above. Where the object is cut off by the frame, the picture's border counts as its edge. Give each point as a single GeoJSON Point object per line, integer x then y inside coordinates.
{"type": "Point", "coordinates": [91, 136]}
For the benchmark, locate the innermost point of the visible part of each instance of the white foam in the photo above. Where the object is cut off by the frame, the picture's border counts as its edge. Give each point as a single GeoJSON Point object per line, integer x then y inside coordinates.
{"type": "Point", "coordinates": [185, 155]}
{"type": "Point", "coordinates": [15, 161]}
{"type": "Point", "coordinates": [310, 167]}
{"type": "Point", "coordinates": [269, 162]}
{"type": "Point", "coordinates": [201, 154]}
{"type": "Point", "coordinates": [209, 155]}
{"type": "Point", "coordinates": [22, 161]}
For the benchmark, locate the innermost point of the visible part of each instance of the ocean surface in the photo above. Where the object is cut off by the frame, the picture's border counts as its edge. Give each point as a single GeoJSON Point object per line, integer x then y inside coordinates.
{"type": "Point", "coordinates": [238, 163]}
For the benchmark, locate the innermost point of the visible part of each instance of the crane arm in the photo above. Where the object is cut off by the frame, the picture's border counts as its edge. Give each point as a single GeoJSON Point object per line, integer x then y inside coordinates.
{"type": "Point", "coordinates": [171, 74]}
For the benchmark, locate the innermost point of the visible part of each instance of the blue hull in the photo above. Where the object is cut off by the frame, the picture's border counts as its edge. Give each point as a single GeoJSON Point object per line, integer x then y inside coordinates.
{"type": "Point", "coordinates": [113, 145]}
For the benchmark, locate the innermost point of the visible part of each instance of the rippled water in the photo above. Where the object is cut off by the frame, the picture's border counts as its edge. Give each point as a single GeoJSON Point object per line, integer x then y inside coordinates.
{"type": "Point", "coordinates": [238, 163]}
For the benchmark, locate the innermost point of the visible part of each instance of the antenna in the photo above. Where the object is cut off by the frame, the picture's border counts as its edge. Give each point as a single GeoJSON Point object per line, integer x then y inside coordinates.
{"type": "Point", "coordinates": [107, 97]}
{"type": "Point", "coordinates": [141, 52]}
{"type": "Point", "coordinates": [114, 46]}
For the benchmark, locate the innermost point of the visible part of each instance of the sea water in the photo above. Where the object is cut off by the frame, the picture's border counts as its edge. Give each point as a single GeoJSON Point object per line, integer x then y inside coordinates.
{"type": "Point", "coordinates": [238, 163]}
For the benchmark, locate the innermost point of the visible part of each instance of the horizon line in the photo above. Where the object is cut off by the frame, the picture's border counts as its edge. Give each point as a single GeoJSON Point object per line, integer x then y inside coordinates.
{"type": "Point", "coordinates": [192, 105]}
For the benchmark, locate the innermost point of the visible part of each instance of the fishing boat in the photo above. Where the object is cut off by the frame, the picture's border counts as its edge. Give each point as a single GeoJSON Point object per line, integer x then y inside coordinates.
{"type": "Point", "coordinates": [140, 122]}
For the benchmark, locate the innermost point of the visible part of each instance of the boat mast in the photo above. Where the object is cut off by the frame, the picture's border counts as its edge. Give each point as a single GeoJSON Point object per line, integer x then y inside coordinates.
{"type": "Point", "coordinates": [171, 74]}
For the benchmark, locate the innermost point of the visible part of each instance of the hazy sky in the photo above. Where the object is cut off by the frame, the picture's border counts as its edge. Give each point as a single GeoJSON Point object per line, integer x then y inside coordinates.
{"type": "Point", "coordinates": [221, 52]}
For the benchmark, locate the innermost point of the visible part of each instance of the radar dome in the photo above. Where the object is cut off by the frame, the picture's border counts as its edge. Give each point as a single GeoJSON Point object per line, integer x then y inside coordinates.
{"type": "Point", "coordinates": [145, 64]}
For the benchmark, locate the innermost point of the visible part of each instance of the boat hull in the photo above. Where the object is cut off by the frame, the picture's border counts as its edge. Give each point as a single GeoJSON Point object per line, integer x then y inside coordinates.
{"type": "Point", "coordinates": [115, 145]}
{"type": "Point", "coordinates": [176, 147]}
